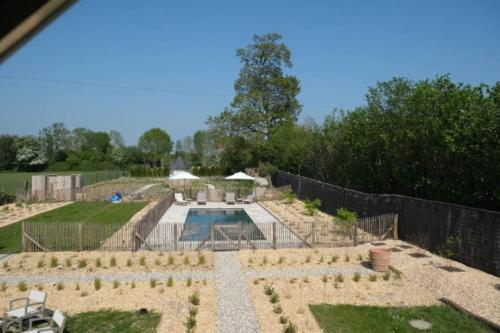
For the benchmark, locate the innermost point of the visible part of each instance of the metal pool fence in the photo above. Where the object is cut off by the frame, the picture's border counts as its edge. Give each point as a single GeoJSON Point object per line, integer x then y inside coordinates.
{"type": "Point", "coordinates": [150, 235]}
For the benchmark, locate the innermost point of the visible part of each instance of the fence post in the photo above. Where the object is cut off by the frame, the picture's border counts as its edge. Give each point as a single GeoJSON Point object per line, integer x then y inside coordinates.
{"type": "Point", "coordinates": [175, 236]}
{"type": "Point", "coordinates": [313, 241]}
{"type": "Point", "coordinates": [23, 237]}
{"type": "Point", "coordinates": [356, 233]}
{"type": "Point", "coordinates": [395, 226]}
{"type": "Point", "coordinates": [212, 231]}
{"type": "Point", "coordinates": [239, 235]}
{"type": "Point", "coordinates": [274, 235]}
{"type": "Point", "coordinates": [80, 237]}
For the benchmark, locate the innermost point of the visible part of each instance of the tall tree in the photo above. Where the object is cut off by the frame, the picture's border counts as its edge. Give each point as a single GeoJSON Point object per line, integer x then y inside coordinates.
{"type": "Point", "coordinates": [265, 95]}
{"type": "Point", "coordinates": [156, 146]}
{"type": "Point", "coordinates": [29, 154]}
{"type": "Point", "coordinates": [7, 152]}
{"type": "Point", "coordinates": [55, 140]}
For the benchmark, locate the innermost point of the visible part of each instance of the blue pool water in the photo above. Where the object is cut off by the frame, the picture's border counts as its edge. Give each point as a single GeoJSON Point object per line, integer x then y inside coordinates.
{"type": "Point", "coordinates": [199, 223]}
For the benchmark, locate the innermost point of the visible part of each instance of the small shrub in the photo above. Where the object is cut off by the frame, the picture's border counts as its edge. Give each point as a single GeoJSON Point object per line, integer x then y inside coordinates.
{"type": "Point", "coordinates": [321, 259]}
{"type": "Point", "coordinates": [116, 284]}
{"type": "Point", "coordinates": [77, 286]}
{"type": "Point", "coordinates": [98, 262]}
{"type": "Point", "coordinates": [171, 260]}
{"type": "Point", "coordinates": [54, 262]}
{"type": "Point", "coordinates": [201, 260]}
{"type": "Point", "coordinates": [311, 206]}
{"type": "Point", "coordinates": [3, 286]}
{"type": "Point", "coordinates": [283, 320]}
{"type": "Point", "coordinates": [386, 276]}
{"type": "Point", "coordinates": [306, 280]}
{"type": "Point", "coordinates": [170, 281]}
{"type": "Point", "coordinates": [39, 287]}
{"type": "Point", "coordinates": [60, 286]}
{"type": "Point", "coordinates": [194, 298]}
{"type": "Point", "coordinates": [339, 278]}
{"type": "Point", "coordinates": [189, 282]}
{"type": "Point", "coordinates": [190, 324]}
{"type": "Point", "coordinates": [250, 261]}
{"type": "Point", "coordinates": [281, 260]}
{"type": "Point", "coordinates": [132, 285]}
{"type": "Point", "coordinates": [274, 298]}
{"type": "Point", "coordinates": [398, 275]}
{"type": "Point", "coordinates": [84, 294]}
{"type": "Point", "coordinates": [268, 290]}
{"type": "Point", "coordinates": [347, 259]}
{"type": "Point", "coordinates": [40, 263]}
{"type": "Point", "coordinates": [289, 197]}
{"type": "Point", "coordinates": [129, 262]}
{"type": "Point", "coordinates": [308, 258]}
{"type": "Point", "coordinates": [345, 219]}
{"type": "Point", "coordinates": [186, 260]}
{"type": "Point", "coordinates": [356, 277]}
{"type": "Point", "coordinates": [336, 285]}
{"type": "Point", "coordinates": [293, 280]}
{"type": "Point", "coordinates": [360, 257]}
{"type": "Point", "coordinates": [82, 263]}
{"type": "Point", "coordinates": [278, 309]}
{"type": "Point", "coordinates": [112, 262]}
{"type": "Point", "coordinates": [265, 260]}
{"type": "Point", "coordinates": [157, 262]}
{"type": "Point", "coordinates": [152, 283]}
{"type": "Point", "coordinates": [324, 279]}
{"type": "Point", "coordinates": [22, 286]}
{"type": "Point", "coordinates": [372, 278]}
{"type": "Point", "coordinates": [335, 258]}
{"type": "Point", "coordinates": [97, 284]}
{"type": "Point", "coordinates": [290, 328]}
{"type": "Point", "coordinates": [142, 261]}
{"type": "Point", "coordinates": [256, 281]}
{"type": "Point", "coordinates": [67, 261]}
{"type": "Point", "coordinates": [5, 264]}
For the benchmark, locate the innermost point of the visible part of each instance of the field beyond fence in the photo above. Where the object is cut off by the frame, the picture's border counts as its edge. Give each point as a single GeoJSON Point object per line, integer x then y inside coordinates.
{"type": "Point", "coordinates": [429, 224]}
{"type": "Point", "coordinates": [11, 182]}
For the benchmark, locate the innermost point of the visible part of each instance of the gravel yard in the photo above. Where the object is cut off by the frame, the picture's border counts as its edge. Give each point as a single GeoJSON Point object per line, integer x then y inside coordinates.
{"type": "Point", "coordinates": [172, 302]}
{"type": "Point", "coordinates": [423, 282]}
{"type": "Point", "coordinates": [41, 263]}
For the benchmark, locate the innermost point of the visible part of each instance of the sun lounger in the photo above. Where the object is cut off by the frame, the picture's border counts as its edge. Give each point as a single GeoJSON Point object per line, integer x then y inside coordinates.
{"type": "Point", "coordinates": [249, 199]}
{"type": "Point", "coordinates": [201, 198]}
{"type": "Point", "coordinates": [32, 306]}
{"type": "Point", "coordinates": [55, 324]}
{"type": "Point", "coordinates": [179, 200]}
{"type": "Point", "coordinates": [230, 198]}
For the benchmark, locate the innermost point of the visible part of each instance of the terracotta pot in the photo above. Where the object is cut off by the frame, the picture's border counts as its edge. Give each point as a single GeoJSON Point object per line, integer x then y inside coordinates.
{"type": "Point", "coordinates": [380, 258]}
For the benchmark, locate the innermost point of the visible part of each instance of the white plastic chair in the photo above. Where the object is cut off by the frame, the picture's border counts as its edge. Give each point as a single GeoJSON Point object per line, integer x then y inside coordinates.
{"type": "Point", "coordinates": [33, 305]}
{"type": "Point", "coordinates": [55, 324]}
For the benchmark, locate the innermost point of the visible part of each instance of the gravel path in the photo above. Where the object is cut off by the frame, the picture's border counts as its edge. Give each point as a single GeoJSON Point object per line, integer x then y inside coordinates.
{"type": "Point", "coordinates": [235, 313]}
{"type": "Point", "coordinates": [303, 272]}
{"type": "Point", "coordinates": [106, 277]}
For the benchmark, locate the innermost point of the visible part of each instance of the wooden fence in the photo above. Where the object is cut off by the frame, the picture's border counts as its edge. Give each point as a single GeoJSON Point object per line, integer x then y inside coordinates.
{"type": "Point", "coordinates": [150, 235]}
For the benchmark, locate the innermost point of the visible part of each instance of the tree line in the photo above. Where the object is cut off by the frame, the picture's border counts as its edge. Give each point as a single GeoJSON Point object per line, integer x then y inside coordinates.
{"type": "Point", "coordinates": [57, 148]}
{"type": "Point", "coordinates": [434, 139]}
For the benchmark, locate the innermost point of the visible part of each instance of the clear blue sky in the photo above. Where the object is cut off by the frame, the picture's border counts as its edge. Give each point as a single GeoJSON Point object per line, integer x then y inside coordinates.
{"type": "Point", "coordinates": [186, 50]}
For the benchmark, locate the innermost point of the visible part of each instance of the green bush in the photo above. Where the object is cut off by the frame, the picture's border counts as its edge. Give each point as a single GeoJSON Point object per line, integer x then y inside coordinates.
{"type": "Point", "coordinates": [311, 206]}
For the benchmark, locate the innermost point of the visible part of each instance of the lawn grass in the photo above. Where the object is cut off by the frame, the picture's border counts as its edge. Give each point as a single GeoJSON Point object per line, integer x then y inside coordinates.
{"type": "Point", "coordinates": [10, 182]}
{"type": "Point", "coordinates": [351, 318]}
{"type": "Point", "coordinates": [84, 212]}
{"type": "Point", "coordinates": [108, 321]}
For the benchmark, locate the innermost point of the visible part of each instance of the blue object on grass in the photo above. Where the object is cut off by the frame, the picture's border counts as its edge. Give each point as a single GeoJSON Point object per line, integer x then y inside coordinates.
{"type": "Point", "coordinates": [116, 197]}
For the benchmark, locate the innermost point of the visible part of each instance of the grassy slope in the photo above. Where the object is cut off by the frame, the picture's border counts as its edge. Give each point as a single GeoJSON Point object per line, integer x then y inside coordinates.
{"type": "Point", "coordinates": [350, 318]}
{"type": "Point", "coordinates": [108, 321]}
{"type": "Point", "coordinates": [88, 212]}
{"type": "Point", "coordinates": [10, 182]}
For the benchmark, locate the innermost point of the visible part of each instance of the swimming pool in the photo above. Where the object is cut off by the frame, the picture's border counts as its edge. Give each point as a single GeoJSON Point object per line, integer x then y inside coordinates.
{"type": "Point", "coordinates": [199, 221]}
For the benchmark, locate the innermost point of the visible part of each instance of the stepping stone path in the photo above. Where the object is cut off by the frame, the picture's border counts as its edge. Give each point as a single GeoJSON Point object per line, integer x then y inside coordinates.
{"type": "Point", "coordinates": [420, 324]}
{"type": "Point", "coordinates": [235, 313]}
